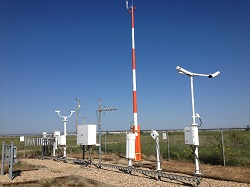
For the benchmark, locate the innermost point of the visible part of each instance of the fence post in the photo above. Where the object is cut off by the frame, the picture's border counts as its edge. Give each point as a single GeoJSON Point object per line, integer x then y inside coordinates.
{"type": "Point", "coordinates": [11, 160]}
{"type": "Point", "coordinates": [24, 147]}
{"type": "Point", "coordinates": [105, 142]}
{"type": "Point", "coordinates": [168, 148]}
{"type": "Point", "coordinates": [2, 167]}
{"type": "Point", "coordinates": [223, 150]}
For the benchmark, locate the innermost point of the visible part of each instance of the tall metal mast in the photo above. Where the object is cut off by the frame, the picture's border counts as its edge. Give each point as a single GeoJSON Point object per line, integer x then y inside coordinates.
{"type": "Point", "coordinates": [78, 106]}
{"type": "Point", "coordinates": [136, 127]}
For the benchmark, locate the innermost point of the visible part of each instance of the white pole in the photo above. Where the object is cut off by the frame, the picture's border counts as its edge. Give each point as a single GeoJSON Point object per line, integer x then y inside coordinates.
{"type": "Point", "coordinates": [129, 162]}
{"type": "Point", "coordinates": [192, 96]}
{"type": "Point", "coordinates": [158, 168]}
{"type": "Point", "coordinates": [196, 156]}
{"type": "Point", "coordinates": [64, 149]}
{"type": "Point", "coordinates": [54, 149]}
{"type": "Point", "coordinates": [197, 170]}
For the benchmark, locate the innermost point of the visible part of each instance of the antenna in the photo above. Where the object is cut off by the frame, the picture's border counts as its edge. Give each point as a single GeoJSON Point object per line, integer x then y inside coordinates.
{"type": "Point", "coordinates": [136, 127]}
{"type": "Point", "coordinates": [78, 107]}
{"type": "Point", "coordinates": [101, 110]}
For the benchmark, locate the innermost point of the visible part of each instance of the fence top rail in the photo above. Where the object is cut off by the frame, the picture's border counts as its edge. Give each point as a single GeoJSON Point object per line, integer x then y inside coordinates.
{"type": "Point", "coordinates": [124, 131]}
{"type": "Point", "coordinates": [182, 130]}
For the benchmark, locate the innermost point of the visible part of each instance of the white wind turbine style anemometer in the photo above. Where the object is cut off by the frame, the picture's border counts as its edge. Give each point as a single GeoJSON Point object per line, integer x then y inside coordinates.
{"type": "Point", "coordinates": [65, 124]}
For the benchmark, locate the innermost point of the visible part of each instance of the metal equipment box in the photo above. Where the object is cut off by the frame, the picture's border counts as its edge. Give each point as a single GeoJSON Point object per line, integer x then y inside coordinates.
{"type": "Point", "coordinates": [130, 145]}
{"type": "Point", "coordinates": [62, 140]}
{"type": "Point", "coordinates": [56, 133]}
{"type": "Point", "coordinates": [191, 135]}
{"type": "Point", "coordinates": [86, 134]}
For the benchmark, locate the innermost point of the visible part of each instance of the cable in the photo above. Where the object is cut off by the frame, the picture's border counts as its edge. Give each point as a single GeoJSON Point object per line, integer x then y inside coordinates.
{"type": "Point", "coordinates": [200, 122]}
{"type": "Point", "coordinates": [193, 149]}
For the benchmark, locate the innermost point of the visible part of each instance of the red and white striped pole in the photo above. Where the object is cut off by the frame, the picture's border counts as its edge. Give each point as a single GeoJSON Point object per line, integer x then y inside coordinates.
{"type": "Point", "coordinates": [136, 127]}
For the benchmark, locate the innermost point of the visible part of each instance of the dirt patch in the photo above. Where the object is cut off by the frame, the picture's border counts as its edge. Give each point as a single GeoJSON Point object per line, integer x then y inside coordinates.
{"type": "Point", "coordinates": [60, 181]}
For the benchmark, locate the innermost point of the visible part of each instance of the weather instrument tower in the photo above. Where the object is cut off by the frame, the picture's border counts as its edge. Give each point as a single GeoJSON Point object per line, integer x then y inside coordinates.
{"type": "Point", "coordinates": [63, 138]}
{"type": "Point", "coordinates": [191, 133]}
{"type": "Point", "coordinates": [136, 127]}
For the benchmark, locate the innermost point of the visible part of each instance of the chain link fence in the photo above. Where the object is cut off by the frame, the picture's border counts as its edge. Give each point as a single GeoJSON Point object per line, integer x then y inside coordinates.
{"type": "Point", "coordinates": [229, 146]}
{"type": "Point", "coordinates": [224, 147]}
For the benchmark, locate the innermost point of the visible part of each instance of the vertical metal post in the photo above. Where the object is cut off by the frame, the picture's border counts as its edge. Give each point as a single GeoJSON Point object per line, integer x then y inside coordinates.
{"type": "Point", "coordinates": [24, 146]}
{"type": "Point", "coordinates": [134, 70]}
{"type": "Point", "coordinates": [54, 146]}
{"type": "Point", "coordinates": [197, 170]}
{"type": "Point", "coordinates": [100, 130]}
{"type": "Point", "coordinates": [11, 159]}
{"type": "Point", "coordinates": [223, 150]}
{"type": "Point", "coordinates": [43, 150]}
{"type": "Point", "coordinates": [64, 149]}
{"type": "Point", "coordinates": [196, 156]}
{"type": "Point", "coordinates": [136, 128]}
{"type": "Point", "coordinates": [2, 166]}
{"type": "Point", "coordinates": [105, 142]}
{"type": "Point", "coordinates": [83, 152]}
{"type": "Point", "coordinates": [192, 99]}
{"type": "Point", "coordinates": [77, 111]}
{"type": "Point", "coordinates": [168, 148]}
{"type": "Point", "coordinates": [158, 168]}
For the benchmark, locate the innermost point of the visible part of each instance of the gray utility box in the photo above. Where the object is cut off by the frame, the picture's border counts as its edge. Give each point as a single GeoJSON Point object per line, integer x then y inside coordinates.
{"type": "Point", "coordinates": [86, 134]}
{"type": "Point", "coordinates": [191, 135]}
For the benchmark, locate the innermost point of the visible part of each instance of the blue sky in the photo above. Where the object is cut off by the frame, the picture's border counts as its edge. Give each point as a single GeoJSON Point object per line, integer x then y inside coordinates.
{"type": "Point", "coordinates": [54, 51]}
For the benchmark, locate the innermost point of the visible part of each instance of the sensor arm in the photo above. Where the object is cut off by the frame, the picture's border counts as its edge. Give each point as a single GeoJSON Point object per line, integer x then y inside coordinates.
{"type": "Point", "coordinates": [65, 117]}
{"type": "Point", "coordinates": [189, 73]}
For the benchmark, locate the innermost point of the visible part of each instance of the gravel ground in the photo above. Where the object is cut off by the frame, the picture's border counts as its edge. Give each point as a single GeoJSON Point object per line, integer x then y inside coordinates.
{"type": "Point", "coordinates": [50, 169]}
